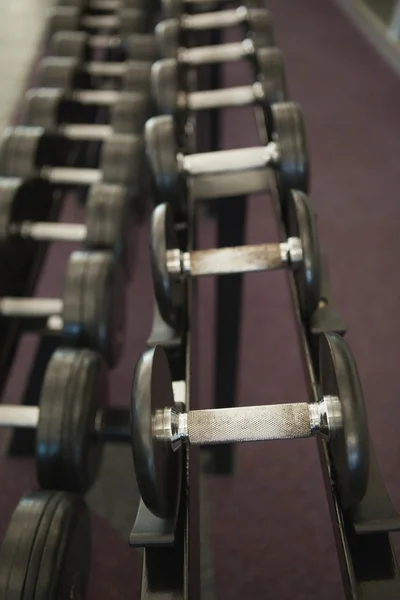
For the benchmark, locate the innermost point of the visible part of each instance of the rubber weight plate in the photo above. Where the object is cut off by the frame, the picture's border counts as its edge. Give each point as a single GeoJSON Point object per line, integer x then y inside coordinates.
{"type": "Point", "coordinates": [162, 150]}
{"type": "Point", "coordinates": [122, 162]}
{"type": "Point", "coordinates": [349, 445]}
{"type": "Point", "coordinates": [94, 303]}
{"type": "Point", "coordinates": [167, 36]}
{"type": "Point", "coordinates": [69, 43]}
{"type": "Point", "coordinates": [130, 113]}
{"type": "Point", "coordinates": [57, 72]}
{"type": "Point", "coordinates": [169, 291]}
{"type": "Point", "coordinates": [157, 467]}
{"type": "Point", "coordinates": [18, 151]}
{"type": "Point", "coordinates": [261, 27]}
{"type": "Point", "coordinates": [290, 134]}
{"type": "Point", "coordinates": [301, 223]}
{"type": "Point", "coordinates": [140, 47]}
{"type": "Point", "coordinates": [108, 222]}
{"type": "Point", "coordinates": [136, 77]}
{"type": "Point", "coordinates": [48, 539]}
{"type": "Point", "coordinates": [41, 108]}
{"type": "Point", "coordinates": [272, 77]}
{"type": "Point", "coordinates": [73, 461]}
{"type": "Point", "coordinates": [164, 85]}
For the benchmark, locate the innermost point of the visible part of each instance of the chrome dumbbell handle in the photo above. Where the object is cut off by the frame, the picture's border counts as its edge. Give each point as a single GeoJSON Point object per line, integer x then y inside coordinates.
{"type": "Point", "coordinates": [209, 99]}
{"type": "Point", "coordinates": [248, 424]}
{"type": "Point", "coordinates": [31, 307]}
{"type": "Point", "coordinates": [99, 97]}
{"type": "Point", "coordinates": [235, 259]}
{"type": "Point", "coordinates": [42, 231]}
{"type": "Point", "coordinates": [231, 52]}
{"type": "Point", "coordinates": [86, 132]}
{"type": "Point", "coordinates": [229, 161]}
{"type": "Point", "coordinates": [71, 175]}
{"type": "Point", "coordinates": [214, 20]}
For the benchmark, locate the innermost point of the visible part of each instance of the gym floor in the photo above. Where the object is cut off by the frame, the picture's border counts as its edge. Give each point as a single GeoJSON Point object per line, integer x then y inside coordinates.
{"type": "Point", "coordinates": [270, 528]}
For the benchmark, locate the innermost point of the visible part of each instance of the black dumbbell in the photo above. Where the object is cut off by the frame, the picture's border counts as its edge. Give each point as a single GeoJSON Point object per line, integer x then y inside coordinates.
{"type": "Point", "coordinates": [300, 252]}
{"type": "Point", "coordinates": [72, 420]}
{"type": "Point", "coordinates": [170, 98]}
{"type": "Point", "coordinates": [71, 115]}
{"type": "Point", "coordinates": [82, 46]}
{"type": "Point", "coordinates": [171, 42]}
{"type": "Point", "coordinates": [46, 549]}
{"type": "Point", "coordinates": [287, 154]}
{"type": "Point", "coordinates": [68, 74]}
{"type": "Point", "coordinates": [159, 429]}
{"type": "Point", "coordinates": [91, 312]}
{"type": "Point", "coordinates": [30, 152]}
{"type": "Point", "coordinates": [173, 9]}
{"type": "Point", "coordinates": [71, 18]}
{"type": "Point", "coordinates": [105, 228]}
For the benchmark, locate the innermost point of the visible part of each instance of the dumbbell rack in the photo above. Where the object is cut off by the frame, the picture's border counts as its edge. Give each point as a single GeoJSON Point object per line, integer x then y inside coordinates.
{"type": "Point", "coordinates": [367, 560]}
{"type": "Point", "coordinates": [368, 563]}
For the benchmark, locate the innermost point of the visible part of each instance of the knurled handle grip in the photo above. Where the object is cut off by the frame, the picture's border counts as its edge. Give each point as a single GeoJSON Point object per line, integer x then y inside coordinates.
{"type": "Point", "coordinates": [249, 424]}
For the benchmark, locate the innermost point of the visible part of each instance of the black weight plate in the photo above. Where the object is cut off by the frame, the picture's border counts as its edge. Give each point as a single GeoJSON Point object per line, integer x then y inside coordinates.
{"type": "Point", "coordinates": [272, 77]}
{"type": "Point", "coordinates": [167, 38]}
{"type": "Point", "coordinates": [19, 150]}
{"type": "Point", "coordinates": [48, 539]}
{"type": "Point", "coordinates": [69, 43]}
{"type": "Point", "coordinates": [16, 547]}
{"type": "Point", "coordinates": [290, 134]}
{"type": "Point", "coordinates": [122, 162]}
{"type": "Point", "coordinates": [41, 108]}
{"type": "Point", "coordinates": [169, 291]}
{"type": "Point", "coordinates": [130, 113]}
{"type": "Point", "coordinates": [63, 18]}
{"type": "Point", "coordinates": [261, 27]}
{"type": "Point", "coordinates": [58, 379]}
{"type": "Point", "coordinates": [172, 9]}
{"type": "Point", "coordinates": [164, 85]}
{"type": "Point", "coordinates": [108, 222]}
{"type": "Point", "coordinates": [65, 561]}
{"type": "Point", "coordinates": [38, 547]}
{"type": "Point", "coordinates": [136, 77]}
{"type": "Point", "coordinates": [140, 47]}
{"type": "Point", "coordinates": [349, 446]}
{"type": "Point", "coordinates": [94, 303]}
{"type": "Point", "coordinates": [132, 21]}
{"type": "Point", "coordinates": [78, 3]}
{"type": "Point", "coordinates": [157, 467]}
{"type": "Point", "coordinates": [82, 446]}
{"type": "Point", "coordinates": [57, 72]}
{"type": "Point", "coordinates": [301, 223]}
{"type": "Point", "coordinates": [161, 149]}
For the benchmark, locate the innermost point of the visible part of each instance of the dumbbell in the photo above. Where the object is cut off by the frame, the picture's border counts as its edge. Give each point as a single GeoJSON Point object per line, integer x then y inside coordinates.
{"type": "Point", "coordinates": [70, 115]}
{"type": "Point", "coordinates": [69, 74]}
{"type": "Point", "coordinates": [71, 18]}
{"type": "Point", "coordinates": [46, 549]}
{"type": "Point", "coordinates": [105, 228]}
{"type": "Point", "coordinates": [159, 430]}
{"type": "Point", "coordinates": [30, 152]}
{"type": "Point", "coordinates": [173, 9]}
{"type": "Point", "coordinates": [171, 42]}
{"type": "Point", "coordinates": [90, 313]}
{"type": "Point", "coordinates": [71, 421]}
{"type": "Point", "coordinates": [287, 154]}
{"type": "Point", "coordinates": [300, 252]}
{"type": "Point", "coordinates": [171, 99]}
{"type": "Point", "coordinates": [81, 46]}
